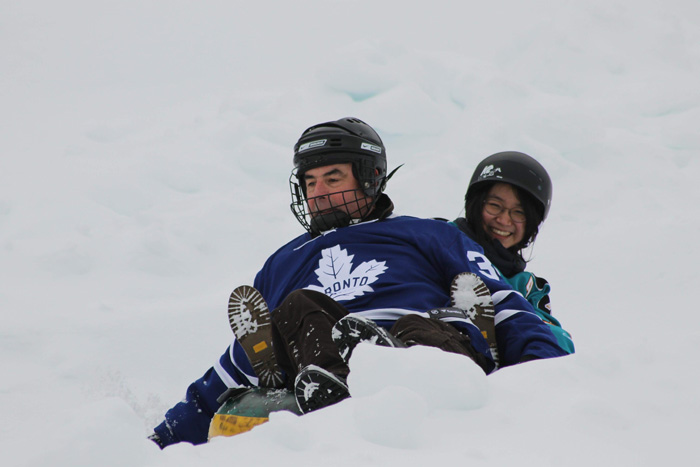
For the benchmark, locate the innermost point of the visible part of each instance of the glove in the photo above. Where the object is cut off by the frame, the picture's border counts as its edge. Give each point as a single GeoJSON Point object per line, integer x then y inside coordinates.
{"type": "Point", "coordinates": [156, 439]}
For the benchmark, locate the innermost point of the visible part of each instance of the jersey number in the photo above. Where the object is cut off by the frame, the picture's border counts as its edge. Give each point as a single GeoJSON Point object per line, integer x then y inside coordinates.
{"type": "Point", "coordinates": [485, 266]}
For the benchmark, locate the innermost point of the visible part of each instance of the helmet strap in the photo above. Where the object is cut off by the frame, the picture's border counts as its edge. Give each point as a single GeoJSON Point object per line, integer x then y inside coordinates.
{"type": "Point", "coordinates": [386, 179]}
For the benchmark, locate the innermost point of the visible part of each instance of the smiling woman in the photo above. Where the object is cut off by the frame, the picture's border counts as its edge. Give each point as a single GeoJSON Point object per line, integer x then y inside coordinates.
{"type": "Point", "coordinates": [503, 215]}
{"type": "Point", "coordinates": [508, 198]}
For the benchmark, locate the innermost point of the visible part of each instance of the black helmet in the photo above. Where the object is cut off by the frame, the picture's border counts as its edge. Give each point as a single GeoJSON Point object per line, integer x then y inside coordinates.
{"type": "Point", "coordinates": [517, 169]}
{"type": "Point", "coordinates": [346, 140]}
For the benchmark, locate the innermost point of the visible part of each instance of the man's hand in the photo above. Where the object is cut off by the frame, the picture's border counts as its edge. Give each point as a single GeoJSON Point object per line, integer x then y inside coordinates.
{"type": "Point", "coordinates": [156, 439]}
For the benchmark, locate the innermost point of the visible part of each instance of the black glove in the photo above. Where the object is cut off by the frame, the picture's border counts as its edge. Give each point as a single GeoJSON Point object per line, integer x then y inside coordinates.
{"type": "Point", "coordinates": [156, 439]}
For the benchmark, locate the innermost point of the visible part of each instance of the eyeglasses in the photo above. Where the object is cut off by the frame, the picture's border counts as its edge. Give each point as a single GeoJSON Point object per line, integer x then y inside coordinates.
{"type": "Point", "coordinates": [495, 209]}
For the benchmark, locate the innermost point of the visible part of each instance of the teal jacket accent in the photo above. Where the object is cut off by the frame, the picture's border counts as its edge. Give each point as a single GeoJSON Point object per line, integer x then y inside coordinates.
{"type": "Point", "coordinates": [536, 291]}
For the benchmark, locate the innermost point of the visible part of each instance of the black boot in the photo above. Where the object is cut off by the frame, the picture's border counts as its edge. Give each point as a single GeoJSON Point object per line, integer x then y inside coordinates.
{"type": "Point", "coordinates": [351, 330]}
{"type": "Point", "coordinates": [315, 388]}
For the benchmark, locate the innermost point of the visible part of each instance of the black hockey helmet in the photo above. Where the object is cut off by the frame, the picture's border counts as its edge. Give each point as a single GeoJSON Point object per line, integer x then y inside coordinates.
{"type": "Point", "coordinates": [518, 169]}
{"type": "Point", "coordinates": [348, 140]}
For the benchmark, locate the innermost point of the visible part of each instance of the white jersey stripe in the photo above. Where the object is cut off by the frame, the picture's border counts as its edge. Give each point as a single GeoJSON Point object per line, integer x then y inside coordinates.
{"type": "Point", "coordinates": [505, 314]}
{"type": "Point", "coordinates": [226, 377]}
{"type": "Point", "coordinates": [501, 295]}
{"type": "Point", "coordinates": [389, 313]}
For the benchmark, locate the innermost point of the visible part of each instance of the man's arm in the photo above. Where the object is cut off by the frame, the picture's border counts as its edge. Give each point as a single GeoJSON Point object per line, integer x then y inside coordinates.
{"type": "Point", "coordinates": [189, 420]}
{"type": "Point", "coordinates": [521, 335]}
{"type": "Point", "coordinates": [536, 291]}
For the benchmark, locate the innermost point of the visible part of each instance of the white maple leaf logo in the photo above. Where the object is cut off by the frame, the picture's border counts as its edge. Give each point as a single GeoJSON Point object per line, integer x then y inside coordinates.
{"type": "Point", "coordinates": [339, 281]}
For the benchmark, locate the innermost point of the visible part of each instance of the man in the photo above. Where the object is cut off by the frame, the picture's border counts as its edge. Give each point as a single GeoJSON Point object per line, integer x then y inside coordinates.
{"type": "Point", "coordinates": [357, 265]}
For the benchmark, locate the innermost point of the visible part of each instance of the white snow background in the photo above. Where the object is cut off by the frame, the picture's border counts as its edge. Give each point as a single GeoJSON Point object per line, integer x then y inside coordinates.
{"type": "Point", "coordinates": [145, 148]}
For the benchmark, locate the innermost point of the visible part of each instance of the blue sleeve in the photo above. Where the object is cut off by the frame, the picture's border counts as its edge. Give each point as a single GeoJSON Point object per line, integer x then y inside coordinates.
{"type": "Point", "coordinates": [189, 420]}
{"type": "Point", "coordinates": [520, 333]}
{"type": "Point", "coordinates": [536, 291]}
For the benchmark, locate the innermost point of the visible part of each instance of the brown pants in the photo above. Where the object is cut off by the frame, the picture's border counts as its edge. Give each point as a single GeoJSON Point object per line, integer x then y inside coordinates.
{"type": "Point", "coordinates": [301, 333]}
{"type": "Point", "coordinates": [417, 330]}
{"type": "Point", "coordinates": [302, 326]}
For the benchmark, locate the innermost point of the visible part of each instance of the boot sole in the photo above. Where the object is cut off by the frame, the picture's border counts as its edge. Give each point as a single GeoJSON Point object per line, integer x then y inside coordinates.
{"type": "Point", "coordinates": [249, 318]}
{"type": "Point", "coordinates": [316, 388]}
{"type": "Point", "coordinates": [469, 293]}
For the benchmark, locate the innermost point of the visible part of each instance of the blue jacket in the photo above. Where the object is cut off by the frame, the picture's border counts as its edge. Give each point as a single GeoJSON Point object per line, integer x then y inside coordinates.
{"type": "Point", "coordinates": [382, 270]}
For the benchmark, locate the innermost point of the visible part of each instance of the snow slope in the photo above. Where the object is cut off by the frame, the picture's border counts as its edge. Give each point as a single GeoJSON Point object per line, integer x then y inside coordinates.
{"type": "Point", "coordinates": [145, 149]}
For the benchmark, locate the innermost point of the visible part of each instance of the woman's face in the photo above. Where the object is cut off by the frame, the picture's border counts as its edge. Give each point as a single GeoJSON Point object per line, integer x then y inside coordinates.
{"type": "Point", "coordinates": [500, 207]}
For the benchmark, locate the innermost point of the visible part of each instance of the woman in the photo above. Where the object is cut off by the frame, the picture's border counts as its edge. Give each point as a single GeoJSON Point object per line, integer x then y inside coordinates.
{"type": "Point", "coordinates": [507, 200]}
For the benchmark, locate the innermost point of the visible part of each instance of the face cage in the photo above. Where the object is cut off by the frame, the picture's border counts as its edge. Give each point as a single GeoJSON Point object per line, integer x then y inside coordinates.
{"type": "Point", "coordinates": [334, 219]}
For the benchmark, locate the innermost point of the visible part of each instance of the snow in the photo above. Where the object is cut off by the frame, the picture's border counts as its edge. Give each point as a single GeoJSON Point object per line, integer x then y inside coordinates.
{"type": "Point", "coordinates": [145, 149]}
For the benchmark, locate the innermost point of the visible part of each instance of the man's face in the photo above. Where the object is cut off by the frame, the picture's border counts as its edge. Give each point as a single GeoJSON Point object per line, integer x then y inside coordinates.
{"type": "Point", "coordinates": [334, 188]}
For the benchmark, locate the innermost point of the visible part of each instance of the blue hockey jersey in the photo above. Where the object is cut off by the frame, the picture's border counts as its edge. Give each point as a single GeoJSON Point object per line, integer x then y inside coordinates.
{"type": "Point", "coordinates": [382, 270]}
